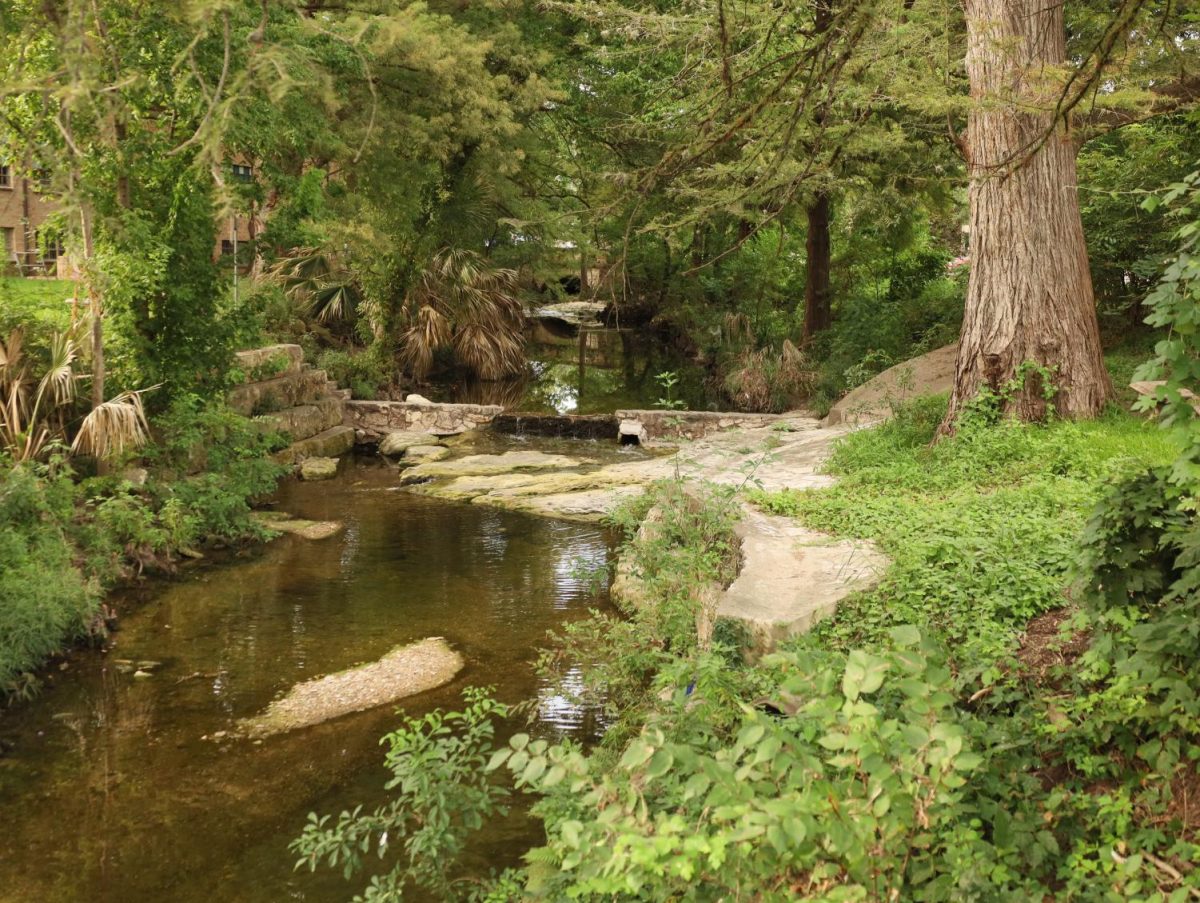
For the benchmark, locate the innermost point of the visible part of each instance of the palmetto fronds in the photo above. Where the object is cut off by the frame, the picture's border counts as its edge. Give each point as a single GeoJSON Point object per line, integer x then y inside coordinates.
{"type": "Point", "coordinates": [31, 418]}
{"type": "Point", "coordinates": [113, 427]}
{"type": "Point", "coordinates": [464, 304]}
{"type": "Point", "coordinates": [429, 331]}
{"type": "Point", "coordinates": [316, 281]}
{"type": "Point", "coordinates": [57, 385]}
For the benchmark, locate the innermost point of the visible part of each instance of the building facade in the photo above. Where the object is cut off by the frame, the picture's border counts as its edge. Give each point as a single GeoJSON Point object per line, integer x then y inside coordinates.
{"type": "Point", "coordinates": [24, 211]}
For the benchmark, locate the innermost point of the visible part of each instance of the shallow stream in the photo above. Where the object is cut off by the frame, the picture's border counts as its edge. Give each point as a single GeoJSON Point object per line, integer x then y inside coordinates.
{"type": "Point", "coordinates": [123, 788]}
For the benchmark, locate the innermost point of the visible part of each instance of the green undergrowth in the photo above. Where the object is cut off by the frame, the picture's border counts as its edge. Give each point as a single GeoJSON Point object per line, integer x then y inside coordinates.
{"type": "Point", "coordinates": [982, 528]}
{"type": "Point", "coordinates": [66, 537]}
{"type": "Point", "coordinates": [37, 306]}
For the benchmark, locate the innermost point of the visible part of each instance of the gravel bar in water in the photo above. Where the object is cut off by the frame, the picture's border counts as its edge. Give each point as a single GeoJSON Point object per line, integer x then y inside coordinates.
{"type": "Point", "coordinates": [405, 671]}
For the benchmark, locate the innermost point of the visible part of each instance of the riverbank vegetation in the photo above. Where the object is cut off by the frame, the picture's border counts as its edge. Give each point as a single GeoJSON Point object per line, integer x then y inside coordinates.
{"type": "Point", "coordinates": [1010, 712]}
{"type": "Point", "coordinates": [70, 535]}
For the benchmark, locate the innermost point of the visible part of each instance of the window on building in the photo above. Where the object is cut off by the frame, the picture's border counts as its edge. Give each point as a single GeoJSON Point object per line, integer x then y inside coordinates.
{"type": "Point", "coordinates": [42, 177]}
{"type": "Point", "coordinates": [8, 242]}
{"type": "Point", "coordinates": [226, 246]}
{"type": "Point", "coordinates": [50, 249]}
{"type": "Point", "coordinates": [5, 176]}
{"type": "Point", "coordinates": [243, 173]}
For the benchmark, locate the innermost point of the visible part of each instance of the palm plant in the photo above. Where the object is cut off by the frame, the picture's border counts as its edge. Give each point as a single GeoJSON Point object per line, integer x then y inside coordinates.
{"type": "Point", "coordinates": [318, 283]}
{"type": "Point", "coordinates": [34, 412]}
{"type": "Point", "coordinates": [462, 303]}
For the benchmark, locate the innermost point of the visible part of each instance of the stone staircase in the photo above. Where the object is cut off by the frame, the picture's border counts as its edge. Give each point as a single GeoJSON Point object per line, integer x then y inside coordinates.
{"type": "Point", "coordinates": [285, 394]}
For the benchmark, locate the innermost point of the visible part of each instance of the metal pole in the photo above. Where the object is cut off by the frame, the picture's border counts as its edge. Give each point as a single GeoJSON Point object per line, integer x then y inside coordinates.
{"type": "Point", "coordinates": [233, 229]}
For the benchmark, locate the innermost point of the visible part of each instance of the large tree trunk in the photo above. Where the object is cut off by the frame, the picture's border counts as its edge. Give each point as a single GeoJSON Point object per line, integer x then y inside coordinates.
{"type": "Point", "coordinates": [818, 294]}
{"type": "Point", "coordinates": [1030, 292]}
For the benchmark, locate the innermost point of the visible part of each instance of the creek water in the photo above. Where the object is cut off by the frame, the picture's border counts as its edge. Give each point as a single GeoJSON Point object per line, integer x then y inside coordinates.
{"type": "Point", "coordinates": [122, 788]}
{"type": "Point", "coordinates": [590, 371]}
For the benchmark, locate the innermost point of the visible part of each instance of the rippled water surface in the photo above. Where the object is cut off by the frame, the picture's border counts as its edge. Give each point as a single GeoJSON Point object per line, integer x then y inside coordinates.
{"type": "Point", "coordinates": [115, 788]}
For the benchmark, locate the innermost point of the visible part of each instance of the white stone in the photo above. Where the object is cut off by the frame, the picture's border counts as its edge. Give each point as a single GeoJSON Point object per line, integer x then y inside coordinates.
{"type": "Point", "coordinates": [634, 429]}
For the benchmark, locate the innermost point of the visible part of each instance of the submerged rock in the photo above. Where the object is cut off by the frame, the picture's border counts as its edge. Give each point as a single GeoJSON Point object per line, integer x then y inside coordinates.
{"type": "Point", "coordinates": [587, 506]}
{"type": "Point", "coordinates": [420, 454]}
{"type": "Point", "coordinates": [405, 671]}
{"type": "Point", "coordinates": [398, 442]}
{"type": "Point", "coordinates": [482, 465]}
{"type": "Point", "coordinates": [318, 468]}
{"type": "Point", "coordinates": [282, 522]}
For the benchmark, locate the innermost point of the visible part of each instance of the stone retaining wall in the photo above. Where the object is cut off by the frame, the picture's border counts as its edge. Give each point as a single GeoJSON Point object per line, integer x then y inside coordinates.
{"type": "Point", "coordinates": [284, 394]}
{"type": "Point", "coordinates": [372, 420]}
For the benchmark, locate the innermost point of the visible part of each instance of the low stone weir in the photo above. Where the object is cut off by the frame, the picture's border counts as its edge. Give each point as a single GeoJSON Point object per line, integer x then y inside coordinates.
{"type": "Point", "coordinates": [567, 426]}
{"type": "Point", "coordinates": [372, 420]}
{"type": "Point", "coordinates": [288, 395]}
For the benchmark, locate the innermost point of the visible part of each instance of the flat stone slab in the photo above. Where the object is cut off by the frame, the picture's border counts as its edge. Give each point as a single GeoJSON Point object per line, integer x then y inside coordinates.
{"type": "Point", "coordinates": [792, 577]}
{"type": "Point", "coordinates": [398, 442]}
{"type": "Point", "coordinates": [403, 672]}
{"type": "Point", "coordinates": [282, 522]}
{"type": "Point", "coordinates": [422, 454]}
{"type": "Point", "coordinates": [787, 452]}
{"type": "Point", "coordinates": [483, 465]}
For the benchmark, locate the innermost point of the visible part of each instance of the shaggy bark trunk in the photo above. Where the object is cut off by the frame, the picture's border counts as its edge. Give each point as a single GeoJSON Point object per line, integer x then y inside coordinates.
{"type": "Point", "coordinates": [97, 312]}
{"type": "Point", "coordinates": [818, 294]}
{"type": "Point", "coordinates": [1030, 292]}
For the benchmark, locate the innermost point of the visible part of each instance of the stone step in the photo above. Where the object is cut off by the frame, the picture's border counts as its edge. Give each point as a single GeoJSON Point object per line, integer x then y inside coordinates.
{"type": "Point", "coordinates": [270, 358]}
{"type": "Point", "coordinates": [280, 392]}
{"type": "Point", "coordinates": [329, 443]}
{"type": "Point", "coordinates": [304, 421]}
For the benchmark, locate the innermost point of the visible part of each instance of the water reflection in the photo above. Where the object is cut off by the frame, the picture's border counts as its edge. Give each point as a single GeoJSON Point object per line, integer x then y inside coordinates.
{"type": "Point", "coordinates": [124, 789]}
{"type": "Point", "coordinates": [595, 371]}
{"type": "Point", "coordinates": [561, 705]}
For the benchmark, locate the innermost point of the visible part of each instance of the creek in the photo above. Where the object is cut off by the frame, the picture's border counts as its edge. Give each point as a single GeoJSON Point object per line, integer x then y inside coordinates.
{"type": "Point", "coordinates": [119, 787]}
{"type": "Point", "coordinates": [594, 370]}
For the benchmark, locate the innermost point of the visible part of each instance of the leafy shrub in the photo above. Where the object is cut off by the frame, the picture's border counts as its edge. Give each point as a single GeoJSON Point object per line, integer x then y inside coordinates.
{"type": "Point", "coordinates": [860, 791]}
{"type": "Point", "coordinates": [44, 598]}
{"type": "Point", "coordinates": [212, 462]}
{"type": "Point", "coordinates": [441, 795]}
{"type": "Point", "coordinates": [364, 373]}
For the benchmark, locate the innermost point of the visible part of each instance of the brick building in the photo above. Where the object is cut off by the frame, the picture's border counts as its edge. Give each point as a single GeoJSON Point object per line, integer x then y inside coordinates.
{"type": "Point", "coordinates": [23, 211]}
